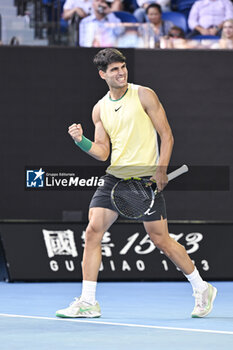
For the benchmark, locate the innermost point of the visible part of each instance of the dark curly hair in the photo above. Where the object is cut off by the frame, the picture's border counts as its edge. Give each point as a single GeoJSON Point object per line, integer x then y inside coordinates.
{"type": "Point", "coordinates": [107, 56]}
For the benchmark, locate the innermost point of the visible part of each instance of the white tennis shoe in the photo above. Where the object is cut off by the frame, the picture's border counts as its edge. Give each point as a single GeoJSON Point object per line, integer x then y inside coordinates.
{"type": "Point", "coordinates": [204, 301]}
{"type": "Point", "coordinates": [80, 308]}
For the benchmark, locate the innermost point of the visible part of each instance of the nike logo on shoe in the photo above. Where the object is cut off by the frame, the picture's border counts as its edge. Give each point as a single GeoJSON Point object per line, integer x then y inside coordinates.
{"type": "Point", "coordinates": [84, 310]}
{"type": "Point", "coordinates": [117, 109]}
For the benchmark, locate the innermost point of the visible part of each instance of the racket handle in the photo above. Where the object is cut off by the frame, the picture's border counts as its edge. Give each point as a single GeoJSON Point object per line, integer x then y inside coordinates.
{"type": "Point", "coordinates": [177, 172]}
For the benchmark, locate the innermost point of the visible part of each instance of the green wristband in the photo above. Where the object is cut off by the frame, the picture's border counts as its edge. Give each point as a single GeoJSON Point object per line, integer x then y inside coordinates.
{"type": "Point", "coordinates": [85, 144]}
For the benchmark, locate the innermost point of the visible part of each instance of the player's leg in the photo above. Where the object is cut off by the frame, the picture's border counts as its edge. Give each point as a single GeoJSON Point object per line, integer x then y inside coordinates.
{"type": "Point", "coordinates": [86, 305]}
{"type": "Point", "coordinates": [204, 293]}
{"type": "Point", "coordinates": [158, 232]}
{"type": "Point", "coordinates": [100, 219]}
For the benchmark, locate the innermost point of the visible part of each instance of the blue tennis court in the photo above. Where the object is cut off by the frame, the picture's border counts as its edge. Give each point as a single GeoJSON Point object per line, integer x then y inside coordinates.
{"type": "Point", "coordinates": [135, 315]}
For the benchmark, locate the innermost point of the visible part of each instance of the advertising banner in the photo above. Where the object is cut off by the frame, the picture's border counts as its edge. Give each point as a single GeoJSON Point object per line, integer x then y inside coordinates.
{"type": "Point", "coordinates": [53, 251]}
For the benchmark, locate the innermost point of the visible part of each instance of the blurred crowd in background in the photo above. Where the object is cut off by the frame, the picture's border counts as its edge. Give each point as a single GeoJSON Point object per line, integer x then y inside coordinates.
{"type": "Point", "coordinates": [165, 24]}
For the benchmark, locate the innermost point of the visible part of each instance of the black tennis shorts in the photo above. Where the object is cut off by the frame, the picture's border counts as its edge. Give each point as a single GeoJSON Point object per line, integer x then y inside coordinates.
{"type": "Point", "coordinates": [102, 199]}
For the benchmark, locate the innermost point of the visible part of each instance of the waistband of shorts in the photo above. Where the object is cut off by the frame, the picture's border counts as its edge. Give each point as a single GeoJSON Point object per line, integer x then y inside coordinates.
{"type": "Point", "coordinates": [120, 178]}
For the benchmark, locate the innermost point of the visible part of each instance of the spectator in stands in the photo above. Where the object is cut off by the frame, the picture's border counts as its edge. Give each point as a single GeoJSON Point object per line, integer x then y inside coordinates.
{"type": "Point", "coordinates": [207, 16]}
{"type": "Point", "coordinates": [174, 39]}
{"type": "Point", "coordinates": [93, 30]}
{"type": "Point", "coordinates": [80, 7]}
{"type": "Point", "coordinates": [140, 13]}
{"type": "Point", "coordinates": [226, 41]}
{"type": "Point", "coordinates": [83, 8]}
{"type": "Point", "coordinates": [176, 32]}
{"type": "Point", "coordinates": [161, 28]}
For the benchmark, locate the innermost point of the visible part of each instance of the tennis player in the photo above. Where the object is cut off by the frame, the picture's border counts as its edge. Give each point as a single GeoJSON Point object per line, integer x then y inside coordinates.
{"type": "Point", "coordinates": [129, 116]}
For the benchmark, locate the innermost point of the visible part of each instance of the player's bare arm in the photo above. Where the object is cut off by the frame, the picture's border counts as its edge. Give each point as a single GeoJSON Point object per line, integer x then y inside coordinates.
{"type": "Point", "coordinates": [155, 111]}
{"type": "Point", "coordinates": [100, 148]}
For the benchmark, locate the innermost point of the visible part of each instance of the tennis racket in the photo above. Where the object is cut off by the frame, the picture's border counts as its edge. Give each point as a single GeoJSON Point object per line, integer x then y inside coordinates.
{"type": "Point", "coordinates": [133, 197]}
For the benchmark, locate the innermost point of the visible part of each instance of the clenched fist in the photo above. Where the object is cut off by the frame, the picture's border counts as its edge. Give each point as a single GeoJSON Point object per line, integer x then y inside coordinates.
{"type": "Point", "coordinates": [76, 132]}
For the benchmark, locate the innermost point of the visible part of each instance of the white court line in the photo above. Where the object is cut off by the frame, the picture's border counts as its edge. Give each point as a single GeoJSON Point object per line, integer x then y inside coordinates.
{"type": "Point", "coordinates": [119, 324]}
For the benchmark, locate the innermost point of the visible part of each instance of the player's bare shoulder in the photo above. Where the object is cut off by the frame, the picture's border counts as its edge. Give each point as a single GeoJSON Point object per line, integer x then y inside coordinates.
{"type": "Point", "coordinates": [148, 97]}
{"type": "Point", "coordinates": [99, 128]}
{"type": "Point", "coordinates": [96, 113]}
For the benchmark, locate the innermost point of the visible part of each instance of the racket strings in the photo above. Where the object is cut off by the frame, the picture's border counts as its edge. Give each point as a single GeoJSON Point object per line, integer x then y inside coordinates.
{"type": "Point", "coordinates": [132, 198]}
{"type": "Point", "coordinates": [146, 193]}
{"type": "Point", "coordinates": [139, 189]}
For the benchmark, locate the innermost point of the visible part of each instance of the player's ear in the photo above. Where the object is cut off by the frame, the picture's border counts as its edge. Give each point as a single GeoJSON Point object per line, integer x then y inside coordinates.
{"type": "Point", "coordinates": [102, 74]}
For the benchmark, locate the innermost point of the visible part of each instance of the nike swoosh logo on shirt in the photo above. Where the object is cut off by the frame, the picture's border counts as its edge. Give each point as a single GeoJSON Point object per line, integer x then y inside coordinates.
{"type": "Point", "coordinates": [117, 109]}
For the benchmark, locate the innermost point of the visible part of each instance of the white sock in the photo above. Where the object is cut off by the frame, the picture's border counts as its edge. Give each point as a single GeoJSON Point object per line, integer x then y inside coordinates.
{"type": "Point", "coordinates": [88, 291]}
{"type": "Point", "coordinates": [196, 281]}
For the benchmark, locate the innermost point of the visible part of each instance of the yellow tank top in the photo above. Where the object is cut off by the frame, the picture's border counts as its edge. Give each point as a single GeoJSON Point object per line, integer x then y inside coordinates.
{"type": "Point", "coordinates": [132, 135]}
